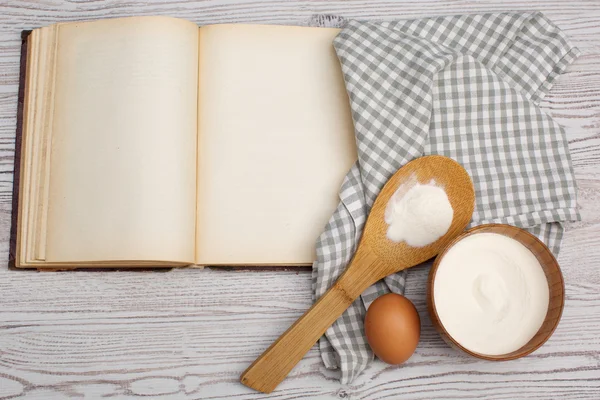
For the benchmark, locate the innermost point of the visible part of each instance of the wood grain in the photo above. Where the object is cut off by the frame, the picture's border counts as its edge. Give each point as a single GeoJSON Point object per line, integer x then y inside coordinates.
{"type": "Point", "coordinates": [189, 333]}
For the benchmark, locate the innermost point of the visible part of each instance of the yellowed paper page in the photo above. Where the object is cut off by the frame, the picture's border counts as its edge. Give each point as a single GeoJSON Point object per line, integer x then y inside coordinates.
{"type": "Point", "coordinates": [275, 141]}
{"type": "Point", "coordinates": [122, 178]}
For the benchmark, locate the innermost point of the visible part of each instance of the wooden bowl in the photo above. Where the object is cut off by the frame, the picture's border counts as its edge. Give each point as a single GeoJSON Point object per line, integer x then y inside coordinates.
{"type": "Point", "coordinates": [553, 276]}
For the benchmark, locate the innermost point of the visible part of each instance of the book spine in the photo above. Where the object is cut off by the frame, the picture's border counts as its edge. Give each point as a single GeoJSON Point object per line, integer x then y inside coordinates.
{"type": "Point", "coordinates": [17, 159]}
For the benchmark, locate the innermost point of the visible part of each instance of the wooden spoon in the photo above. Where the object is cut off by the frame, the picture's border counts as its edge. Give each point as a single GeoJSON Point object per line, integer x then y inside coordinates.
{"type": "Point", "coordinates": [376, 257]}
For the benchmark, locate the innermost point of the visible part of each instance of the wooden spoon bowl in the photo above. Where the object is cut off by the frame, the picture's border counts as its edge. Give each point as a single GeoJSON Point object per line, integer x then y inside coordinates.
{"type": "Point", "coordinates": [447, 174]}
{"type": "Point", "coordinates": [376, 257]}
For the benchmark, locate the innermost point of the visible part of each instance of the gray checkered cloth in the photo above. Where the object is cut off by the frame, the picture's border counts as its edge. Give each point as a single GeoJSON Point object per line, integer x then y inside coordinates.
{"type": "Point", "coordinates": [467, 87]}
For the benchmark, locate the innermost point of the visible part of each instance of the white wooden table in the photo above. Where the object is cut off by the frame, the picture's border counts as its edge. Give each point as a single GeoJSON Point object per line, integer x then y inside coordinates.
{"type": "Point", "coordinates": [189, 333]}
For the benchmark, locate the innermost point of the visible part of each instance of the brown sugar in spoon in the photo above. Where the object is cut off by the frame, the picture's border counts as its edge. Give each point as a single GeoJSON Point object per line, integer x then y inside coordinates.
{"type": "Point", "coordinates": [376, 257]}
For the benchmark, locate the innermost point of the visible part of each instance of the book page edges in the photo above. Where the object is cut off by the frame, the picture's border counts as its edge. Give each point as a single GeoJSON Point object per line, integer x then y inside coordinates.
{"type": "Point", "coordinates": [31, 177]}
{"type": "Point", "coordinates": [14, 256]}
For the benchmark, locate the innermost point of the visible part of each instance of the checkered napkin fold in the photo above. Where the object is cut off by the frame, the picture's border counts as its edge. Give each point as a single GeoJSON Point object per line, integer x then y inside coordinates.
{"type": "Point", "coordinates": [467, 87]}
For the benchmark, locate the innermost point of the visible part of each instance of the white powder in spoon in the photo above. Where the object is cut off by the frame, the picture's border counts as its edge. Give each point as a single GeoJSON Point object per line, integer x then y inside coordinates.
{"type": "Point", "coordinates": [418, 214]}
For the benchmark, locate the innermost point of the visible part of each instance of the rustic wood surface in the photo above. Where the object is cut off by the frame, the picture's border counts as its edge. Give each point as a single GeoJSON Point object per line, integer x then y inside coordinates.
{"type": "Point", "coordinates": [190, 333]}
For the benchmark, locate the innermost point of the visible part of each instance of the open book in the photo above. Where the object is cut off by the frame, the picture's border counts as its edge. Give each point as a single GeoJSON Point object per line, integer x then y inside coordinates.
{"type": "Point", "coordinates": [147, 141]}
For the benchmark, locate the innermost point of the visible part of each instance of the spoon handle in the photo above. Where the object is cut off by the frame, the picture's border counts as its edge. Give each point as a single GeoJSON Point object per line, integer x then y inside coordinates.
{"type": "Point", "coordinates": [267, 371]}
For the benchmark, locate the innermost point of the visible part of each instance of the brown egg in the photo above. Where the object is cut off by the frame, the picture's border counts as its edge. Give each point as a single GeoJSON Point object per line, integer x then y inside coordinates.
{"type": "Point", "coordinates": [392, 327]}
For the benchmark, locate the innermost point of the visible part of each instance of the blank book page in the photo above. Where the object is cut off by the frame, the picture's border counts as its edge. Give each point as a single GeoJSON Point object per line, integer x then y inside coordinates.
{"type": "Point", "coordinates": [275, 141]}
{"type": "Point", "coordinates": [123, 162]}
